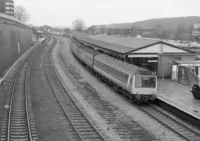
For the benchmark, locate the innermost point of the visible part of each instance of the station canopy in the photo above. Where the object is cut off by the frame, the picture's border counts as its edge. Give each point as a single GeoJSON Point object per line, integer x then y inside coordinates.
{"type": "Point", "coordinates": [129, 45]}
{"type": "Point", "coordinates": [189, 63]}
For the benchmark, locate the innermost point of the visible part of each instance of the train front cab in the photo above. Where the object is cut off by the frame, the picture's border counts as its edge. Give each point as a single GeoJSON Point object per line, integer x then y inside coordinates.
{"type": "Point", "coordinates": [144, 87]}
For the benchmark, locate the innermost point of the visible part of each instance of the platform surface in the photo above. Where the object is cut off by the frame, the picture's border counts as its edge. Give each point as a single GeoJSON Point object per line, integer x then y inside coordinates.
{"type": "Point", "coordinates": [179, 96]}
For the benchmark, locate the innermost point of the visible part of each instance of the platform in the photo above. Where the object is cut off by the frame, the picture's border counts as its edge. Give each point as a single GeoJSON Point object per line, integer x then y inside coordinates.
{"type": "Point", "coordinates": [179, 96]}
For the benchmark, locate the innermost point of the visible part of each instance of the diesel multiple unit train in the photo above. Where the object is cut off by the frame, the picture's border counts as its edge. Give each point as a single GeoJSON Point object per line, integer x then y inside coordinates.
{"type": "Point", "coordinates": [137, 83]}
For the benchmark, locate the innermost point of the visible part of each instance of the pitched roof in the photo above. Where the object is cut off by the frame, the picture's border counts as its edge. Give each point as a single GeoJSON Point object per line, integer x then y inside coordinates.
{"type": "Point", "coordinates": [122, 45]}
{"type": "Point", "coordinates": [108, 46]}
{"type": "Point", "coordinates": [124, 41]}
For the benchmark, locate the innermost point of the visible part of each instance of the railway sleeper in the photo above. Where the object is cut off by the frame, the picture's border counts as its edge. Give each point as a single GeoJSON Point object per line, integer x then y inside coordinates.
{"type": "Point", "coordinates": [79, 121]}
{"type": "Point", "coordinates": [86, 133]}
{"type": "Point", "coordinates": [19, 130]}
{"type": "Point", "coordinates": [82, 127]}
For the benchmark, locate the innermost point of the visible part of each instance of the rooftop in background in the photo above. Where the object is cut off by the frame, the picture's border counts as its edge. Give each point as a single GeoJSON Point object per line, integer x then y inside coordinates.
{"type": "Point", "coordinates": [120, 45]}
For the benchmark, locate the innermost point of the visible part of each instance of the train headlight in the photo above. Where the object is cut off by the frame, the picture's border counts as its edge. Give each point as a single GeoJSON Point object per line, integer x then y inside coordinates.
{"type": "Point", "coordinates": [138, 96]}
{"type": "Point", "coordinates": [153, 97]}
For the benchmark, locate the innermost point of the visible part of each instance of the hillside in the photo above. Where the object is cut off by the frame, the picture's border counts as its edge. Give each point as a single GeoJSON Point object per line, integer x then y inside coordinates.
{"type": "Point", "coordinates": [168, 23]}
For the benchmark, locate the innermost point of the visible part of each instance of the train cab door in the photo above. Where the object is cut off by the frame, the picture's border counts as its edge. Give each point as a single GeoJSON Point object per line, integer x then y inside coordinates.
{"type": "Point", "coordinates": [130, 84]}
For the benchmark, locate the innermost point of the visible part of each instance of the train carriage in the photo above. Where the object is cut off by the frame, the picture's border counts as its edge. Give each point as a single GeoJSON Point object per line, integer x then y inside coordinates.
{"type": "Point", "coordinates": [73, 47]}
{"type": "Point", "coordinates": [119, 76]}
{"type": "Point", "coordinates": [140, 83]}
{"type": "Point", "coordinates": [137, 83]}
{"type": "Point", "coordinates": [87, 55]}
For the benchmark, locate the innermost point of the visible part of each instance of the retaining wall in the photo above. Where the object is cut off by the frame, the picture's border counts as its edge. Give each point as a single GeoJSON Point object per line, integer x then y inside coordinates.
{"type": "Point", "coordinates": [15, 39]}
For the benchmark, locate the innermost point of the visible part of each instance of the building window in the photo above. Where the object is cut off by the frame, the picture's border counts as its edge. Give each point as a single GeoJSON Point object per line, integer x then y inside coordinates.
{"type": "Point", "coordinates": [7, 3]}
{"type": "Point", "coordinates": [177, 57]}
{"type": "Point", "coordinates": [7, 8]}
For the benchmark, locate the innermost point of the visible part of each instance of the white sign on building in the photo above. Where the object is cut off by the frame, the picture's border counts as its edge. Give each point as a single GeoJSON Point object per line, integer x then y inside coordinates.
{"type": "Point", "coordinates": [196, 30]}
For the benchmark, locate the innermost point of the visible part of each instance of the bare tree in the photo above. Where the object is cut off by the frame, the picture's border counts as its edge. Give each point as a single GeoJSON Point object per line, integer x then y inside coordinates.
{"type": "Point", "coordinates": [159, 31]}
{"type": "Point", "coordinates": [21, 13]}
{"type": "Point", "coordinates": [91, 29]}
{"type": "Point", "coordinates": [179, 32]}
{"type": "Point", "coordinates": [78, 25]}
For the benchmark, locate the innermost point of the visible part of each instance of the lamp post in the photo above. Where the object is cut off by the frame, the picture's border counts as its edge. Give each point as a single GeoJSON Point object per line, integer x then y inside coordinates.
{"type": "Point", "coordinates": [161, 60]}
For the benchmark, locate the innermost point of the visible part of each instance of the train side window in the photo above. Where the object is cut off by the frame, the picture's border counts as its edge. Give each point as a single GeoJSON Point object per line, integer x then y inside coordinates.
{"type": "Point", "coordinates": [121, 76]}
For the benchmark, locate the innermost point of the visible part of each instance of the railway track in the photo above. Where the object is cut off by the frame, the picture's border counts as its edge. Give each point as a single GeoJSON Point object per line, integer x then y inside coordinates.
{"type": "Point", "coordinates": [83, 128]}
{"type": "Point", "coordinates": [179, 127]}
{"type": "Point", "coordinates": [18, 120]}
{"type": "Point", "coordinates": [126, 128]}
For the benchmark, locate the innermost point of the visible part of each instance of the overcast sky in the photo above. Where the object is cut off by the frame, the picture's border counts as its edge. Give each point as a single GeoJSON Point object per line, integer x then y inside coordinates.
{"type": "Point", "coordinates": [94, 12]}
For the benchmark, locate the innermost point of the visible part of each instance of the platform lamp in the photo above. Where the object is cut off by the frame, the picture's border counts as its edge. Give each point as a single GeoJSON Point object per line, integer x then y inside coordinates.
{"type": "Point", "coordinates": [198, 72]}
{"type": "Point", "coordinates": [161, 60]}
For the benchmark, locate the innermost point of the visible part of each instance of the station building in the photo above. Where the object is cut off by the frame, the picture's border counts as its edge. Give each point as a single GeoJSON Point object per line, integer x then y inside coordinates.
{"type": "Point", "coordinates": [155, 55]}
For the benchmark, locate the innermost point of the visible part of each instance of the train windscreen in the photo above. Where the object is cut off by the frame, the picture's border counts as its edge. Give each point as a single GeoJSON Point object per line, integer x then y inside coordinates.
{"type": "Point", "coordinates": [145, 82]}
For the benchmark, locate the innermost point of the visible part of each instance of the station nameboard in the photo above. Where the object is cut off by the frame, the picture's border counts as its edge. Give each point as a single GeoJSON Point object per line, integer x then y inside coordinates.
{"type": "Point", "coordinates": [152, 61]}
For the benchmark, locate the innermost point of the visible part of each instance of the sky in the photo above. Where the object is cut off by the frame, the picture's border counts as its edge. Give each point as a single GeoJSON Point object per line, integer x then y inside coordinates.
{"type": "Point", "coordinates": [62, 13]}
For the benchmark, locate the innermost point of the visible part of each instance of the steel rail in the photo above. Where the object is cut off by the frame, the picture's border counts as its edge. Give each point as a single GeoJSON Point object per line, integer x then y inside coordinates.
{"type": "Point", "coordinates": [167, 120]}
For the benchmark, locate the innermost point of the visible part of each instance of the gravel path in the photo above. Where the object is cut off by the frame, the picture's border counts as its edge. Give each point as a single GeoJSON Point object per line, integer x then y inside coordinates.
{"type": "Point", "coordinates": [85, 84]}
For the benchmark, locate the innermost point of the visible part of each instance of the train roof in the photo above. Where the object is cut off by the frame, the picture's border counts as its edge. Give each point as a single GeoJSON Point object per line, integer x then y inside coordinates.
{"type": "Point", "coordinates": [90, 51]}
{"type": "Point", "coordinates": [123, 65]}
